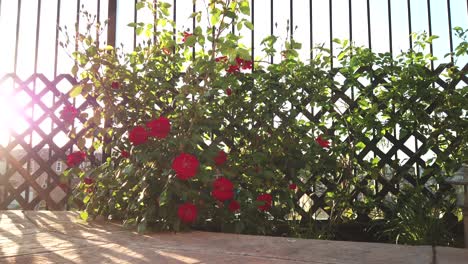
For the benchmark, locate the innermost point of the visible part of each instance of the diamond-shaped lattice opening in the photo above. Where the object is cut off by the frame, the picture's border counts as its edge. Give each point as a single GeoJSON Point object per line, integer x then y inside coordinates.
{"type": "Point", "coordinates": [41, 180]}
{"type": "Point", "coordinates": [412, 143]}
{"type": "Point", "coordinates": [402, 157]}
{"type": "Point", "coordinates": [429, 157]}
{"type": "Point", "coordinates": [57, 194]}
{"type": "Point", "coordinates": [339, 78]}
{"type": "Point", "coordinates": [61, 139]}
{"type": "Point", "coordinates": [364, 81]}
{"type": "Point", "coordinates": [384, 145]}
{"type": "Point", "coordinates": [16, 180]}
{"type": "Point", "coordinates": [319, 188]}
{"type": "Point", "coordinates": [305, 202]}
{"type": "Point", "coordinates": [320, 214]}
{"type": "Point", "coordinates": [341, 106]}
{"type": "Point", "coordinates": [48, 99]}
{"type": "Point", "coordinates": [14, 205]}
{"type": "Point", "coordinates": [64, 86]}
{"type": "Point", "coordinates": [40, 206]}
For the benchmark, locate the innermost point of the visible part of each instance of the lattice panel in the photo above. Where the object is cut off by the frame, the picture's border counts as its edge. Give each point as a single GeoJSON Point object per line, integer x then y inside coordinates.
{"type": "Point", "coordinates": [35, 154]}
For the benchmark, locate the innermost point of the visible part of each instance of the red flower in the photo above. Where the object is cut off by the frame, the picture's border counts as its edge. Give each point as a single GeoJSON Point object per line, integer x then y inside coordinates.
{"type": "Point", "coordinates": [266, 198]}
{"type": "Point", "coordinates": [88, 181]}
{"type": "Point", "coordinates": [233, 69]}
{"type": "Point", "coordinates": [89, 190]}
{"type": "Point", "coordinates": [69, 113]}
{"type": "Point", "coordinates": [292, 186]}
{"type": "Point", "coordinates": [245, 64]}
{"type": "Point", "coordinates": [187, 212]}
{"type": "Point", "coordinates": [74, 159]}
{"type": "Point", "coordinates": [229, 91]}
{"type": "Point", "coordinates": [138, 135]}
{"type": "Point", "coordinates": [185, 166]}
{"type": "Point", "coordinates": [186, 35]}
{"type": "Point", "coordinates": [221, 158]}
{"type": "Point", "coordinates": [234, 206]}
{"type": "Point", "coordinates": [124, 154]}
{"type": "Point", "coordinates": [159, 127]}
{"type": "Point", "coordinates": [322, 142]}
{"type": "Point", "coordinates": [115, 85]}
{"type": "Point", "coordinates": [222, 189]}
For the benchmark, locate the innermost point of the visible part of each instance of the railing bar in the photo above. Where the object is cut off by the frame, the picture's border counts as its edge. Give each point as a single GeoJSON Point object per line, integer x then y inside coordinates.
{"type": "Point", "coordinates": [111, 25]}
{"type": "Point", "coordinates": [311, 34]}
{"type": "Point", "coordinates": [194, 9]}
{"type": "Point", "coordinates": [252, 35]}
{"type": "Point", "coordinates": [135, 17]}
{"type": "Point", "coordinates": [330, 9]}
{"type": "Point", "coordinates": [450, 28]}
{"type": "Point", "coordinates": [271, 24]}
{"type": "Point", "coordinates": [57, 26]}
{"type": "Point", "coordinates": [291, 11]}
{"type": "Point", "coordinates": [77, 27]}
{"type": "Point", "coordinates": [369, 34]}
{"type": "Point", "coordinates": [390, 34]}
{"type": "Point", "coordinates": [409, 24]}
{"type": "Point", "coordinates": [174, 17]}
{"type": "Point", "coordinates": [18, 21]}
{"type": "Point", "coordinates": [350, 15]}
{"type": "Point", "coordinates": [155, 19]}
{"type": "Point", "coordinates": [429, 23]}
{"type": "Point", "coordinates": [98, 17]}
{"type": "Point", "coordinates": [38, 25]}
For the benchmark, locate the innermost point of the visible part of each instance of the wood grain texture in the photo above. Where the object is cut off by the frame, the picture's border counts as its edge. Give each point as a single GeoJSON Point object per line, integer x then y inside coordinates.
{"type": "Point", "coordinates": [60, 237]}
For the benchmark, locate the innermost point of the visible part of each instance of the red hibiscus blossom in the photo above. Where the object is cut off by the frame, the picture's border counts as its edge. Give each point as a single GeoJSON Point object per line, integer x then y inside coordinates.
{"type": "Point", "coordinates": [234, 206]}
{"type": "Point", "coordinates": [322, 142]}
{"type": "Point", "coordinates": [115, 85]}
{"type": "Point", "coordinates": [222, 189]}
{"type": "Point", "coordinates": [138, 135]}
{"type": "Point", "coordinates": [186, 36]}
{"type": "Point", "coordinates": [187, 212]}
{"type": "Point", "coordinates": [88, 181]}
{"type": "Point", "coordinates": [292, 186]}
{"type": "Point", "coordinates": [74, 159]}
{"type": "Point", "coordinates": [185, 166]}
{"type": "Point", "coordinates": [221, 158]}
{"type": "Point", "coordinates": [159, 128]}
{"type": "Point", "coordinates": [69, 113]}
{"type": "Point", "coordinates": [229, 91]}
{"type": "Point", "coordinates": [124, 154]}
{"type": "Point", "coordinates": [267, 199]}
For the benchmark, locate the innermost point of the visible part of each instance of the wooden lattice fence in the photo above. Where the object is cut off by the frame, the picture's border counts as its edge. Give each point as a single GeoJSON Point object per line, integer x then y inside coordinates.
{"type": "Point", "coordinates": [34, 158]}
{"type": "Point", "coordinates": [45, 98]}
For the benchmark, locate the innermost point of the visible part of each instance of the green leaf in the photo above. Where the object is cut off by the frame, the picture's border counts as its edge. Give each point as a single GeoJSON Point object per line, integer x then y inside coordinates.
{"type": "Point", "coordinates": [245, 8]}
{"type": "Point", "coordinates": [140, 5]}
{"type": "Point", "coordinates": [249, 25]}
{"type": "Point", "coordinates": [84, 215]}
{"type": "Point", "coordinates": [76, 91]}
{"type": "Point", "coordinates": [190, 41]}
{"type": "Point", "coordinates": [86, 199]}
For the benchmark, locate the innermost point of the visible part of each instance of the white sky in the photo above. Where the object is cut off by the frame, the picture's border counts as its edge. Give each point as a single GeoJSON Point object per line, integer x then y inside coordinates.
{"type": "Point", "coordinates": [320, 14]}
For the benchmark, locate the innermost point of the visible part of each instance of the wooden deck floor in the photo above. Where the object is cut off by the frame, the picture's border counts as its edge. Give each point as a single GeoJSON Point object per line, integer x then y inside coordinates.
{"type": "Point", "coordinates": [59, 237]}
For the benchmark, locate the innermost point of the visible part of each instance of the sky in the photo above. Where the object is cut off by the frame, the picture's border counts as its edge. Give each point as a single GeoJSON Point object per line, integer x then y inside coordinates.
{"type": "Point", "coordinates": [41, 60]}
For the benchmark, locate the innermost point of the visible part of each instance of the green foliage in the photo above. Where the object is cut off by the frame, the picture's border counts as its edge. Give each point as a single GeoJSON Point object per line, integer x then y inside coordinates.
{"type": "Point", "coordinates": [268, 125]}
{"type": "Point", "coordinates": [417, 220]}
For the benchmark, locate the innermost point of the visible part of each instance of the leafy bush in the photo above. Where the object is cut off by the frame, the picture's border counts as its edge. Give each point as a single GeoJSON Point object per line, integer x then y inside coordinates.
{"type": "Point", "coordinates": [202, 135]}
